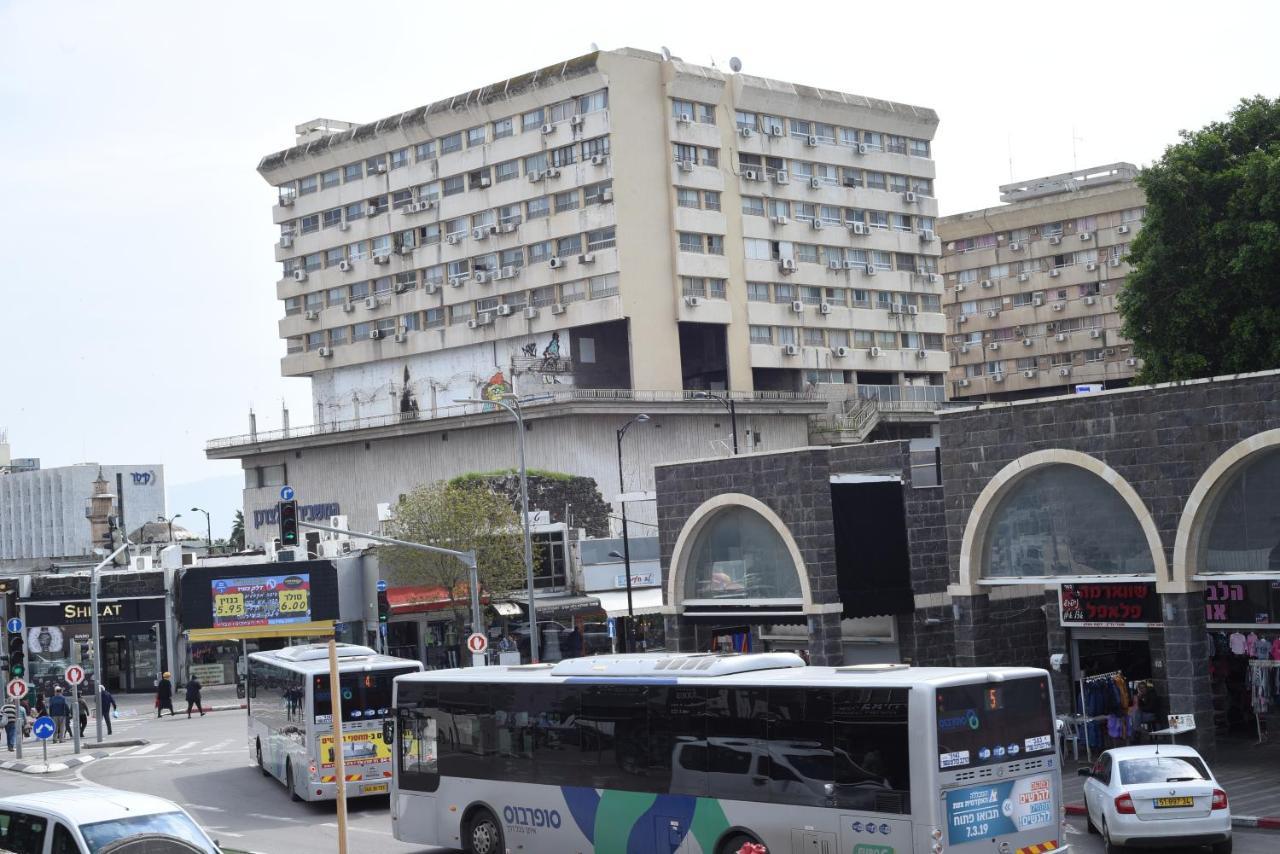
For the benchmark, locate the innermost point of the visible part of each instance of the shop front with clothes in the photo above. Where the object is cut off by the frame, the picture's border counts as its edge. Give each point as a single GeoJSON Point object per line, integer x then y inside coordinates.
{"type": "Point", "coordinates": [133, 621]}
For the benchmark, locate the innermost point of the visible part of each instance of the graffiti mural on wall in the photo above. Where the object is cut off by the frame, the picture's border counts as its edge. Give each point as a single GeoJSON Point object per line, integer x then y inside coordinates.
{"type": "Point", "coordinates": [551, 363]}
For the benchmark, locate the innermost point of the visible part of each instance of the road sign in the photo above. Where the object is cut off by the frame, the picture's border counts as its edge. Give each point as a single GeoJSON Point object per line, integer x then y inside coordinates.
{"type": "Point", "coordinates": [14, 626]}
{"type": "Point", "coordinates": [382, 586]}
{"type": "Point", "coordinates": [16, 689]}
{"type": "Point", "coordinates": [477, 643]}
{"type": "Point", "coordinates": [43, 727]}
{"type": "Point", "coordinates": [74, 674]}
{"type": "Point", "coordinates": [286, 493]}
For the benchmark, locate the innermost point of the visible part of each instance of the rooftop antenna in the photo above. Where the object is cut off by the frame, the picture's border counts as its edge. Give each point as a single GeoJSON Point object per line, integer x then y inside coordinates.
{"type": "Point", "coordinates": [666, 54]}
{"type": "Point", "coordinates": [735, 64]}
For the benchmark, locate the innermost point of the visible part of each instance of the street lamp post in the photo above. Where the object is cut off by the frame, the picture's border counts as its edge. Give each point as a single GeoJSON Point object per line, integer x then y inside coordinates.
{"type": "Point", "coordinates": [208, 529]}
{"type": "Point", "coordinates": [626, 545]}
{"type": "Point", "coordinates": [727, 403]}
{"type": "Point", "coordinates": [169, 519]}
{"type": "Point", "coordinates": [511, 403]}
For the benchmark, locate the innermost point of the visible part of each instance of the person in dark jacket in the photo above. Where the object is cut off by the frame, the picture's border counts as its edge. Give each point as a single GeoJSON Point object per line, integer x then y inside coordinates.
{"type": "Point", "coordinates": [164, 695]}
{"type": "Point", "coordinates": [106, 705]}
{"type": "Point", "coordinates": [84, 715]}
{"type": "Point", "coordinates": [60, 711]}
{"type": "Point", "coordinates": [193, 696]}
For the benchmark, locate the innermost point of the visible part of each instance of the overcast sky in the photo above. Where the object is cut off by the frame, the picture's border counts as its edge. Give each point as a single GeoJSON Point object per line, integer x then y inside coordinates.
{"type": "Point", "coordinates": [138, 282]}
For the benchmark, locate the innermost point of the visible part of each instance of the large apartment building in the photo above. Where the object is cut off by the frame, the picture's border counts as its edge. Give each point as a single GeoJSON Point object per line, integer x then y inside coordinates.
{"type": "Point", "coordinates": [1032, 285]}
{"type": "Point", "coordinates": [618, 221]}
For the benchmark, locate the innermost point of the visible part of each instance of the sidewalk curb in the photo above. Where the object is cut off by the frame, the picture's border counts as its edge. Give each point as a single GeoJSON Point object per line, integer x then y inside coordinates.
{"type": "Point", "coordinates": [1259, 822]}
{"type": "Point", "coordinates": [52, 767]}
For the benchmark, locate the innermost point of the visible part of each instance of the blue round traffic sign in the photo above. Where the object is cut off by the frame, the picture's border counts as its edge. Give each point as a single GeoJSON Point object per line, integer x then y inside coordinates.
{"type": "Point", "coordinates": [14, 625]}
{"type": "Point", "coordinates": [286, 493]}
{"type": "Point", "coordinates": [382, 586]}
{"type": "Point", "coordinates": [43, 727]}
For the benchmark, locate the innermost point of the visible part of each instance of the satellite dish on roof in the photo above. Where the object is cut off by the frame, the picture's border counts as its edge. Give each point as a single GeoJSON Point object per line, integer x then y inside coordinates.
{"type": "Point", "coordinates": [666, 54]}
{"type": "Point", "coordinates": [735, 64]}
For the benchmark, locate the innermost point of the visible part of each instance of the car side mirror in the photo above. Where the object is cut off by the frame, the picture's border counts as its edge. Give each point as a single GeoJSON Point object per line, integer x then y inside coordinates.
{"type": "Point", "coordinates": [388, 731]}
{"type": "Point", "coordinates": [1085, 772]}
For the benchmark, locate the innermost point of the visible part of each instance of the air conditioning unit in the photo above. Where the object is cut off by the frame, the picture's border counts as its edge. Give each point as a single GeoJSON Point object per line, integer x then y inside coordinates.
{"type": "Point", "coordinates": [473, 323]}
{"type": "Point", "coordinates": [1124, 229]}
{"type": "Point", "coordinates": [750, 175]}
{"type": "Point", "coordinates": [1114, 262]}
{"type": "Point", "coordinates": [797, 306]}
{"type": "Point", "coordinates": [433, 289]}
{"type": "Point", "coordinates": [909, 197]}
{"type": "Point", "coordinates": [510, 272]}
{"type": "Point", "coordinates": [1026, 342]}
{"type": "Point", "coordinates": [986, 283]}
{"type": "Point", "coordinates": [587, 258]}
{"type": "Point", "coordinates": [286, 240]}
{"type": "Point", "coordinates": [1064, 372]}
{"type": "Point", "coordinates": [401, 287]}
{"type": "Point", "coordinates": [598, 159]}
{"type": "Point", "coordinates": [1091, 266]}
{"type": "Point", "coordinates": [684, 118]}
{"type": "Point", "coordinates": [509, 227]}
{"type": "Point", "coordinates": [993, 312]}
{"type": "Point", "coordinates": [344, 266]}
{"type": "Point", "coordinates": [896, 308]}
{"type": "Point", "coordinates": [994, 345]}
{"type": "Point", "coordinates": [685, 165]}
{"type": "Point", "coordinates": [553, 172]}
{"type": "Point", "coordinates": [858, 227]}
{"type": "Point", "coordinates": [299, 275]}
{"type": "Point", "coordinates": [324, 352]}
{"type": "Point", "coordinates": [997, 378]}
{"type": "Point", "coordinates": [933, 278]}
{"type": "Point", "coordinates": [348, 306]}
{"type": "Point", "coordinates": [824, 308]}
{"type": "Point", "coordinates": [961, 288]}
{"type": "Point", "coordinates": [380, 169]}
{"type": "Point", "coordinates": [693, 301]}
{"type": "Point", "coordinates": [834, 264]}
{"type": "Point", "coordinates": [869, 269]}
{"type": "Point", "coordinates": [405, 249]}
{"type": "Point", "coordinates": [746, 133]}
{"type": "Point", "coordinates": [920, 354]}
{"type": "Point", "coordinates": [606, 195]}
{"type": "Point", "coordinates": [371, 212]}
{"type": "Point", "coordinates": [1095, 333]}
{"type": "Point", "coordinates": [1022, 277]}
{"type": "Point", "coordinates": [453, 239]}
{"type": "Point", "coordinates": [1037, 301]}
{"type": "Point", "coordinates": [312, 315]}
{"type": "Point", "coordinates": [286, 201]}
{"type": "Point", "coordinates": [481, 276]}
{"type": "Point", "coordinates": [1131, 362]}
{"type": "Point", "coordinates": [1015, 247]}
{"type": "Point", "coordinates": [1055, 240]}
{"type": "Point", "coordinates": [962, 318]}
{"type": "Point", "coordinates": [344, 225]}
{"type": "Point", "coordinates": [862, 148]}
{"type": "Point", "coordinates": [557, 308]}
{"type": "Point", "coordinates": [530, 313]}
{"type": "Point", "coordinates": [485, 318]}
{"type": "Point", "coordinates": [1084, 235]}
{"type": "Point", "coordinates": [1057, 306]}
{"type": "Point", "coordinates": [782, 176]}
{"type": "Point", "coordinates": [926, 235]}
{"type": "Point", "coordinates": [816, 224]}
{"type": "Point", "coordinates": [1061, 336]}
{"type": "Point", "coordinates": [422, 206]}
{"type": "Point", "coordinates": [814, 183]}
{"type": "Point", "coordinates": [873, 352]}
{"type": "Point", "coordinates": [841, 352]}
{"type": "Point", "coordinates": [913, 309]}
{"type": "Point", "coordinates": [370, 303]}
{"type": "Point", "coordinates": [964, 348]}
{"type": "Point", "coordinates": [535, 176]}
{"type": "Point", "coordinates": [1055, 273]}
{"type": "Point", "coordinates": [504, 311]}
{"type": "Point", "coordinates": [485, 181]}
{"type": "Point", "coordinates": [791, 350]}
{"type": "Point", "coordinates": [1090, 300]}
{"type": "Point", "coordinates": [787, 265]}
{"type": "Point", "coordinates": [401, 336]}
{"type": "Point", "coordinates": [1029, 373]}
{"type": "Point", "coordinates": [480, 233]}
{"type": "Point", "coordinates": [778, 220]}
{"type": "Point", "coordinates": [851, 265]}
{"type": "Point", "coordinates": [382, 259]}
{"type": "Point", "coordinates": [459, 281]}
{"type": "Point", "coordinates": [775, 130]}
{"type": "Point", "coordinates": [375, 334]}
{"type": "Point", "coordinates": [548, 128]}
{"type": "Point", "coordinates": [811, 141]}
{"type": "Point", "coordinates": [554, 262]}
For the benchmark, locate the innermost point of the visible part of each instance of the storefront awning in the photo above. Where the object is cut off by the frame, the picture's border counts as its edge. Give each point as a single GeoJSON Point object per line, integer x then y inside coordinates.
{"type": "Point", "coordinates": [416, 600]}
{"type": "Point", "coordinates": [507, 609]}
{"type": "Point", "coordinates": [549, 606]}
{"type": "Point", "coordinates": [647, 600]}
{"type": "Point", "coordinates": [320, 628]}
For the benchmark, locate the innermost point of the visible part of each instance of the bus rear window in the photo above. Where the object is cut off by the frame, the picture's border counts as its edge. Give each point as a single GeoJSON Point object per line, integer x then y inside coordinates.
{"type": "Point", "coordinates": [993, 722]}
{"type": "Point", "coordinates": [365, 696]}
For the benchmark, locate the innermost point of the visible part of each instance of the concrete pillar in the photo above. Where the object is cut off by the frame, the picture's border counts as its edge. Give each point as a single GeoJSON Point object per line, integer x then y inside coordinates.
{"type": "Point", "coordinates": [973, 630]}
{"type": "Point", "coordinates": [680, 633]}
{"type": "Point", "coordinates": [825, 649]}
{"type": "Point", "coordinates": [1186, 657]}
{"type": "Point", "coordinates": [1056, 640]}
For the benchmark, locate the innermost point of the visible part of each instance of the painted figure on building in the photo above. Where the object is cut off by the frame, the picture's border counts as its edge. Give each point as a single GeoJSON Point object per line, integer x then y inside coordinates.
{"type": "Point", "coordinates": [495, 387]}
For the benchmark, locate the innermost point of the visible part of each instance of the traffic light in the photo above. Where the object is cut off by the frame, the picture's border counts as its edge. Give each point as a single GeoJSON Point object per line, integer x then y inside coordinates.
{"type": "Point", "coordinates": [109, 537]}
{"type": "Point", "coordinates": [384, 607]}
{"type": "Point", "coordinates": [288, 523]}
{"type": "Point", "coordinates": [16, 663]}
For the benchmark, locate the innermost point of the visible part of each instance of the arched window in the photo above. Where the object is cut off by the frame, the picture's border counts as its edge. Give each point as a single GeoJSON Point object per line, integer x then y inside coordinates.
{"type": "Point", "coordinates": [1244, 525]}
{"type": "Point", "coordinates": [1061, 520]}
{"type": "Point", "coordinates": [739, 555]}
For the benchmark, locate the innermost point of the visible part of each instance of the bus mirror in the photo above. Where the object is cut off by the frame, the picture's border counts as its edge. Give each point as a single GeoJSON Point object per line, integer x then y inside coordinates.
{"type": "Point", "coordinates": [389, 731]}
{"type": "Point", "coordinates": [829, 789]}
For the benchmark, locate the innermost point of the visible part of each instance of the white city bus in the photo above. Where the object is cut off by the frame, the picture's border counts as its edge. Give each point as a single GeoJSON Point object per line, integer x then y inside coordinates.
{"type": "Point", "coordinates": [291, 720]}
{"type": "Point", "coordinates": [701, 753]}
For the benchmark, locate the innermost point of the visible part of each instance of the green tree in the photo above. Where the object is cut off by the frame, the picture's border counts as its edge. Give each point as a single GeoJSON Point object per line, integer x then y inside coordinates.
{"type": "Point", "coordinates": [237, 531]}
{"type": "Point", "coordinates": [463, 516]}
{"type": "Point", "coordinates": [1204, 295]}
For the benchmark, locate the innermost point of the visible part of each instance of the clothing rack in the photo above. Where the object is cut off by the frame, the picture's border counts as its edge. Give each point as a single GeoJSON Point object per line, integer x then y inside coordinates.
{"type": "Point", "coordinates": [1084, 710]}
{"type": "Point", "coordinates": [1260, 664]}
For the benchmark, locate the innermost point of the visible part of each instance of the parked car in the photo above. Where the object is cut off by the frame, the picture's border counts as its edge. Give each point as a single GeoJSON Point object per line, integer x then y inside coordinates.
{"type": "Point", "coordinates": [1153, 795]}
{"type": "Point", "coordinates": [595, 639]}
{"type": "Point", "coordinates": [94, 820]}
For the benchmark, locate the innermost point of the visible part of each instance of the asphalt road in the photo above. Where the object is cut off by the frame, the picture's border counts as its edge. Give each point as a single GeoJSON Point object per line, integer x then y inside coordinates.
{"type": "Point", "coordinates": [204, 764]}
{"type": "Point", "coordinates": [1246, 841]}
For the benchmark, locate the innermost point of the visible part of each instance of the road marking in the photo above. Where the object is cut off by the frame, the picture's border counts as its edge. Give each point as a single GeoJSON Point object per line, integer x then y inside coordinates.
{"type": "Point", "coordinates": [125, 750]}
{"type": "Point", "coordinates": [351, 826]}
{"type": "Point", "coordinates": [203, 807]}
{"type": "Point", "coordinates": [217, 746]}
{"type": "Point", "coordinates": [184, 747]}
{"type": "Point", "coordinates": [150, 748]}
{"type": "Point", "coordinates": [221, 831]}
{"type": "Point", "coordinates": [271, 817]}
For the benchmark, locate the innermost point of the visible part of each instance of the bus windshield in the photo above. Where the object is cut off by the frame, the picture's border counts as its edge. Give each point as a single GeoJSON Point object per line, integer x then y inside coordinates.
{"type": "Point", "coordinates": [365, 696]}
{"type": "Point", "coordinates": [992, 722]}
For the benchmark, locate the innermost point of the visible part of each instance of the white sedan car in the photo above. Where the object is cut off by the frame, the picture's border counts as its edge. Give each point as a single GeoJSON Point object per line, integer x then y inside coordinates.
{"type": "Point", "coordinates": [92, 820]}
{"type": "Point", "coordinates": [1155, 796]}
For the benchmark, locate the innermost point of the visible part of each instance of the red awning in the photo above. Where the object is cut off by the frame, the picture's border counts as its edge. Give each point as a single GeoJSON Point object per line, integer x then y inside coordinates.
{"type": "Point", "coordinates": [417, 600]}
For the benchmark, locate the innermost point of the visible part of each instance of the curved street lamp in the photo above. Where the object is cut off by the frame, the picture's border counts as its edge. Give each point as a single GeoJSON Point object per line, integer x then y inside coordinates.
{"type": "Point", "coordinates": [208, 529]}
{"type": "Point", "coordinates": [727, 403]}
{"type": "Point", "coordinates": [162, 518]}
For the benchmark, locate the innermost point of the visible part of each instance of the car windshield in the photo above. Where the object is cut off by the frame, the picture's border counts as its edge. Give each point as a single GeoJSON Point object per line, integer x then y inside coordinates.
{"type": "Point", "coordinates": [101, 833]}
{"type": "Point", "coordinates": [1162, 769]}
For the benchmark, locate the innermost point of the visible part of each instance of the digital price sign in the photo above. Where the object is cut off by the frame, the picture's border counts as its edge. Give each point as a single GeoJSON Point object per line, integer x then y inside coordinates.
{"type": "Point", "coordinates": [269, 600]}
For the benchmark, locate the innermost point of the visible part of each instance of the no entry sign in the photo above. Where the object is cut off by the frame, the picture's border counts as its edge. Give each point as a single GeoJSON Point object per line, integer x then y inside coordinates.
{"type": "Point", "coordinates": [477, 643]}
{"type": "Point", "coordinates": [74, 674]}
{"type": "Point", "coordinates": [16, 689]}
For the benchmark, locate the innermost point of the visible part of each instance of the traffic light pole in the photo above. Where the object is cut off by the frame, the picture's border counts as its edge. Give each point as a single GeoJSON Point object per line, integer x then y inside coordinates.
{"type": "Point", "coordinates": [93, 627]}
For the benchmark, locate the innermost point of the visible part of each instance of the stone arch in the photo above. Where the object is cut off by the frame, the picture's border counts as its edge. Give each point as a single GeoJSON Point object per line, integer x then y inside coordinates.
{"type": "Point", "coordinates": [973, 545]}
{"type": "Point", "coordinates": [1188, 551]}
{"type": "Point", "coordinates": [698, 520]}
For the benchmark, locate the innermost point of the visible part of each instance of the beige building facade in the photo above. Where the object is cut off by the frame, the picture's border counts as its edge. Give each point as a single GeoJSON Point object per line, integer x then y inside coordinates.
{"type": "Point", "coordinates": [1032, 286]}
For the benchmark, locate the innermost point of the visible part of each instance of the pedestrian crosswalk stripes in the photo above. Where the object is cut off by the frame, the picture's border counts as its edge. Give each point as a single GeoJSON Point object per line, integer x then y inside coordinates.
{"type": "Point", "coordinates": [167, 748]}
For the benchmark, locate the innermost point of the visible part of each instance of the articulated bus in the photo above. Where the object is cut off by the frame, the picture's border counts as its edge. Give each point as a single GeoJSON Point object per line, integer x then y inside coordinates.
{"type": "Point", "coordinates": [702, 753]}
{"type": "Point", "coordinates": [291, 718]}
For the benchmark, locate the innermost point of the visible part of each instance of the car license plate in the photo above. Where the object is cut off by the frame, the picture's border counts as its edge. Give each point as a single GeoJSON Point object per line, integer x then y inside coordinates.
{"type": "Point", "coordinates": [382, 787]}
{"type": "Point", "coordinates": [1163, 803]}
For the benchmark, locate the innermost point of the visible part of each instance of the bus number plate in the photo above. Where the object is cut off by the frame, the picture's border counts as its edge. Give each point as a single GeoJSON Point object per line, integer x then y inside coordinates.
{"type": "Point", "coordinates": [375, 789]}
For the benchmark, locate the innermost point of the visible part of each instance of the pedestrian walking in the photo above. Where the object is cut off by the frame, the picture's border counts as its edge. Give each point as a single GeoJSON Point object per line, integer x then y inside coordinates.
{"type": "Point", "coordinates": [106, 705]}
{"type": "Point", "coordinates": [164, 695]}
{"type": "Point", "coordinates": [9, 718]}
{"type": "Point", "coordinates": [84, 715]}
{"type": "Point", "coordinates": [193, 696]}
{"type": "Point", "coordinates": [60, 711]}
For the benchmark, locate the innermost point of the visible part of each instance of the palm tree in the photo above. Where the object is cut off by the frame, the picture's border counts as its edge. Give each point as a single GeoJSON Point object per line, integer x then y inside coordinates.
{"type": "Point", "coordinates": [237, 531]}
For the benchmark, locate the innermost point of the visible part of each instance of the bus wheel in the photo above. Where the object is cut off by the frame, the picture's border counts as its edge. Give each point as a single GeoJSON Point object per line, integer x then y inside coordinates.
{"type": "Point", "coordinates": [734, 843]}
{"type": "Point", "coordinates": [261, 767]}
{"type": "Point", "coordinates": [288, 781]}
{"type": "Point", "coordinates": [483, 835]}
